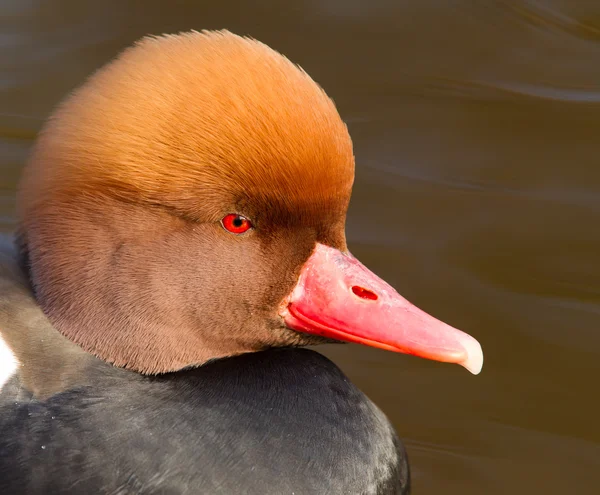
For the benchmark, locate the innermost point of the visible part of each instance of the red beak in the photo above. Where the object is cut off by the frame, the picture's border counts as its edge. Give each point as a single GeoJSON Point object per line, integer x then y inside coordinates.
{"type": "Point", "coordinates": [338, 297]}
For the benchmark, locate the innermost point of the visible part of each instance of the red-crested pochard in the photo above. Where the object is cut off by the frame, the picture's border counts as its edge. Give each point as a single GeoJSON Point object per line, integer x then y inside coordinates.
{"type": "Point", "coordinates": [181, 233]}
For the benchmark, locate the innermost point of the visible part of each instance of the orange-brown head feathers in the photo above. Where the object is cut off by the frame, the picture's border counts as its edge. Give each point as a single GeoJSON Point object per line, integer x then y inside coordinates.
{"type": "Point", "coordinates": [121, 200]}
{"type": "Point", "coordinates": [189, 121]}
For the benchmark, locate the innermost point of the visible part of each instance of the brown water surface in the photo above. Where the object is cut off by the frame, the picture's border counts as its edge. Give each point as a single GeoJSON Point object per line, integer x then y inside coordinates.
{"type": "Point", "coordinates": [476, 127]}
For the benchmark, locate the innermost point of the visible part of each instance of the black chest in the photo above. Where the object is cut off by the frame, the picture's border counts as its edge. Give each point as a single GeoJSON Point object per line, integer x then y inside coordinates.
{"type": "Point", "coordinates": [279, 421]}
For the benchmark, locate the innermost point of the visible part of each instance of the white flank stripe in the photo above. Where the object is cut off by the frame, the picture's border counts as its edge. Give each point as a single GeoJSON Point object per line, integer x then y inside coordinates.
{"type": "Point", "coordinates": [8, 363]}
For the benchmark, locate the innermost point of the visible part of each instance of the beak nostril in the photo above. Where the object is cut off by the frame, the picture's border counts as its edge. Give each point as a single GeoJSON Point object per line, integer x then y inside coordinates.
{"type": "Point", "coordinates": [364, 293]}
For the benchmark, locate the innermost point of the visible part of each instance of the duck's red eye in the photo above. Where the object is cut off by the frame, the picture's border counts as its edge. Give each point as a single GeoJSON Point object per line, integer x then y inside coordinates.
{"type": "Point", "coordinates": [236, 224]}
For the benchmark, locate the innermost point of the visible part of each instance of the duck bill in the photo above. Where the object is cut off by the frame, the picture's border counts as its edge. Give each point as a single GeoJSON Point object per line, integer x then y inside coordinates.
{"type": "Point", "coordinates": [339, 298]}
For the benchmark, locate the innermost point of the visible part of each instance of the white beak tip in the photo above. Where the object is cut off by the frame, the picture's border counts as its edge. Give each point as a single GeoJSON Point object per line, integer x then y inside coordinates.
{"type": "Point", "coordinates": [474, 361]}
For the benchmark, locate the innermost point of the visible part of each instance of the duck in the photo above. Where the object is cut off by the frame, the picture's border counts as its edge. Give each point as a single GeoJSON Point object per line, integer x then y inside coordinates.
{"type": "Point", "coordinates": [180, 241]}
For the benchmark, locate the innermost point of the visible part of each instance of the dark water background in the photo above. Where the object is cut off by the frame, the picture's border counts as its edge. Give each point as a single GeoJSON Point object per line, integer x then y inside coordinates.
{"type": "Point", "coordinates": [476, 129]}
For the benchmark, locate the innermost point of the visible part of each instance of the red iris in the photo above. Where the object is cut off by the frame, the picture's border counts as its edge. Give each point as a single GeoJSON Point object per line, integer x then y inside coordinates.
{"type": "Point", "coordinates": [236, 224]}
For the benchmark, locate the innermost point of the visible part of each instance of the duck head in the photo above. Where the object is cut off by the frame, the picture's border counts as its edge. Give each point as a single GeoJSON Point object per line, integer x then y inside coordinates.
{"type": "Point", "coordinates": [188, 203]}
